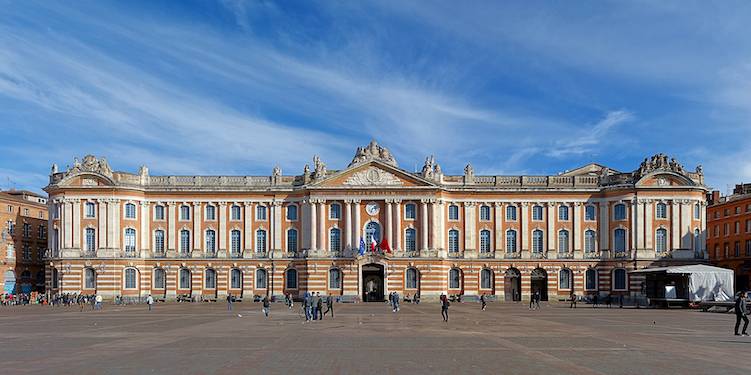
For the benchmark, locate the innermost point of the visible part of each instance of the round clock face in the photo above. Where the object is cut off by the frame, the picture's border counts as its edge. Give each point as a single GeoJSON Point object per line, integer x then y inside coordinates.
{"type": "Point", "coordinates": [371, 208]}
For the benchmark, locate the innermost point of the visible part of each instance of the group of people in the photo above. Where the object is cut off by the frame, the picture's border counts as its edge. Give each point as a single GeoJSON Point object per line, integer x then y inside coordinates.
{"type": "Point", "coordinates": [8, 299]}
{"type": "Point", "coordinates": [394, 301]}
{"type": "Point", "coordinates": [312, 305]}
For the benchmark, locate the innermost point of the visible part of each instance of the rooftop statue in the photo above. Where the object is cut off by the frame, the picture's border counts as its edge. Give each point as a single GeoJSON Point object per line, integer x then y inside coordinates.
{"type": "Point", "coordinates": [373, 152]}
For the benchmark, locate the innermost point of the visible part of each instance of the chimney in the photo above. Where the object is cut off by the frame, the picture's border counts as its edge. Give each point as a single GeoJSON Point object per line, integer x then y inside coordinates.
{"type": "Point", "coordinates": [715, 197]}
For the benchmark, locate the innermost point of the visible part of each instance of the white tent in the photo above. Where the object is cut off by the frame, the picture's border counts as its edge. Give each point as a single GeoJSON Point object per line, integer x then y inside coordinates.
{"type": "Point", "coordinates": [705, 283]}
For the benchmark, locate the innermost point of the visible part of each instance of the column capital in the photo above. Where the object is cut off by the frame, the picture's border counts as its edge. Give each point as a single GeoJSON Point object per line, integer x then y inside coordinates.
{"type": "Point", "coordinates": [497, 204]}
{"type": "Point", "coordinates": [469, 204]}
{"type": "Point", "coordinates": [356, 201]}
{"type": "Point", "coordinates": [247, 204]}
{"type": "Point", "coordinates": [144, 203]}
{"type": "Point", "coordinates": [196, 204]}
{"type": "Point", "coordinates": [222, 204]}
{"type": "Point", "coordinates": [524, 204]}
{"type": "Point", "coordinates": [276, 203]}
{"type": "Point", "coordinates": [397, 200]}
{"type": "Point", "coordinates": [347, 202]}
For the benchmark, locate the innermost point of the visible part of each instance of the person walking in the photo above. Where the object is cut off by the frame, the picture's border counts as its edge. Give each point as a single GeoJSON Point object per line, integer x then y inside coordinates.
{"type": "Point", "coordinates": [314, 304]}
{"type": "Point", "coordinates": [740, 313]}
{"type": "Point", "coordinates": [290, 301]}
{"type": "Point", "coordinates": [266, 306]}
{"type": "Point", "coordinates": [445, 307]}
{"type": "Point", "coordinates": [149, 301]}
{"type": "Point", "coordinates": [532, 300]}
{"type": "Point", "coordinates": [307, 306]}
{"type": "Point", "coordinates": [417, 298]}
{"type": "Point", "coordinates": [573, 301]}
{"type": "Point", "coordinates": [319, 305]}
{"type": "Point", "coordinates": [594, 301]}
{"type": "Point", "coordinates": [98, 302]}
{"type": "Point", "coordinates": [395, 301]}
{"type": "Point", "coordinates": [329, 306]}
{"type": "Point", "coordinates": [229, 302]}
{"type": "Point", "coordinates": [483, 301]}
{"type": "Point", "coordinates": [538, 296]}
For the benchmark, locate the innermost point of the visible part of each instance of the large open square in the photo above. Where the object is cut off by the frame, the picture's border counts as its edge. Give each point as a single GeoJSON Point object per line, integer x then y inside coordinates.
{"type": "Point", "coordinates": [369, 338]}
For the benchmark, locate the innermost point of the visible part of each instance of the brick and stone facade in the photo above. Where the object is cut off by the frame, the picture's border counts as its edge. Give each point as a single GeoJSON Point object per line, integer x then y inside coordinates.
{"type": "Point", "coordinates": [23, 219]}
{"type": "Point", "coordinates": [729, 232]}
{"type": "Point", "coordinates": [457, 234]}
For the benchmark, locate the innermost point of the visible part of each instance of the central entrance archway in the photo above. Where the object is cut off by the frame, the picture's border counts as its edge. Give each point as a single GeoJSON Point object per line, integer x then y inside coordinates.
{"type": "Point", "coordinates": [512, 285]}
{"type": "Point", "coordinates": [372, 282]}
{"type": "Point", "coordinates": [540, 283]}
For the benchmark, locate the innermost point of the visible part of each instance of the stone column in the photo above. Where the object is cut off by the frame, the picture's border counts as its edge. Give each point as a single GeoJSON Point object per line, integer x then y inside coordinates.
{"type": "Point", "coordinates": [500, 244]}
{"type": "Point", "coordinates": [675, 226]}
{"type": "Point", "coordinates": [398, 225]}
{"type": "Point", "coordinates": [703, 229]}
{"type": "Point", "coordinates": [686, 233]}
{"type": "Point", "coordinates": [389, 227]}
{"type": "Point", "coordinates": [358, 224]}
{"type": "Point", "coordinates": [440, 223]}
{"type": "Point", "coordinates": [197, 230]}
{"type": "Point", "coordinates": [639, 214]}
{"type": "Point", "coordinates": [171, 227]}
{"type": "Point", "coordinates": [470, 226]}
{"type": "Point", "coordinates": [604, 240]}
{"type": "Point", "coordinates": [115, 221]}
{"type": "Point", "coordinates": [424, 224]}
{"type": "Point", "coordinates": [102, 223]}
{"type": "Point", "coordinates": [524, 236]}
{"type": "Point", "coordinates": [648, 227]}
{"type": "Point", "coordinates": [577, 226]}
{"type": "Point", "coordinates": [313, 225]}
{"type": "Point", "coordinates": [348, 224]}
{"type": "Point", "coordinates": [222, 227]}
{"type": "Point", "coordinates": [323, 244]}
{"type": "Point", "coordinates": [632, 219]}
{"type": "Point", "coordinates": [277, 225]}
{"type": "Point", "coordinates": [67, 220]}
{"type": "Point", "coordinates": [76, 224]}
{"type": "Point", "coordinates": [551, 235]}
{"type": "Point", "coordinates": [248, 228]}
{"type": "Point", "coordinates": [145, 221]}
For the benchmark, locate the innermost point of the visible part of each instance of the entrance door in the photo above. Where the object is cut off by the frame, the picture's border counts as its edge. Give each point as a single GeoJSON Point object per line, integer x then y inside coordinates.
{"type": "Point", "coordinates": [540, 283]}
{"type": "Point", "coordinates": [372, 282]}
{"type": "Point", "coordinates": [512, 285]}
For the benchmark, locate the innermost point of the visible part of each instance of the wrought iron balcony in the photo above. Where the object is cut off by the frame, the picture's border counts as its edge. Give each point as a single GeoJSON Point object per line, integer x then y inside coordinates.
{"type": "Point", "coordinates": [622, 254]}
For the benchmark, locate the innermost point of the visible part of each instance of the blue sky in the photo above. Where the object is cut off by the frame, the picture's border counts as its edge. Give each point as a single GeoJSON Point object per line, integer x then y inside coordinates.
{"type": "Point", "coordinates": [236, 87]}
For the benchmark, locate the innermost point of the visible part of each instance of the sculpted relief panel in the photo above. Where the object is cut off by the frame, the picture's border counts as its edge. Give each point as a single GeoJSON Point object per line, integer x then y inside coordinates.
{"type": "Point", "coordinates": [373, 177]}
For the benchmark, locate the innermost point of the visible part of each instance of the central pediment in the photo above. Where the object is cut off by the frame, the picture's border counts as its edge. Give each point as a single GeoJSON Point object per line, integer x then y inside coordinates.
{"type": "Point", "coordinates": [372, 174]}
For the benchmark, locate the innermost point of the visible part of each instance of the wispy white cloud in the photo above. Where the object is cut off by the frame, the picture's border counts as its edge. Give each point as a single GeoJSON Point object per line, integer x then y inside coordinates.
{"type": "Point", "coordinates": [586, 140]}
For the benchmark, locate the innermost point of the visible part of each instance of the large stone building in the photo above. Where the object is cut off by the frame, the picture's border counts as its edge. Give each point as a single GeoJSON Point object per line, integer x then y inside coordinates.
{"type": "Point", "coordinates": [118, 233]}
{"type": "Point", "coordinates": [729, 232]}
{"type": "Point", "coordinates": [23, 217]}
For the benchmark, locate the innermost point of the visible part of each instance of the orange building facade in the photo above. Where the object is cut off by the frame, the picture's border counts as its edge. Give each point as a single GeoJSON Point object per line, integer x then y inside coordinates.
{"type": "Point", "coordinates": [23, 242]}
{"type": "Point", "coordinates": [125, 234]}
{"type": "Point", "coordinates": [729, 233]}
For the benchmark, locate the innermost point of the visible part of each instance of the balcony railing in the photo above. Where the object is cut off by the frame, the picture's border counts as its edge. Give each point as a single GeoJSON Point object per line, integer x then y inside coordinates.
{"type": "Point", "coordinates": [131, 254]}
{"type": "Point", "coordinates": [565, 255]}
{"type": "Point", "coordinates": [209, 254]}
{"type": "Point", "coordinates": [455, 254]}
{"type": "Point", "coordinates": [159, 254]}
{"type": "Point", "coordinates": [88, 254]}
{"type": "Point", "coordinates": [538, 256]}
{"type": "Point", "coordinates": [592, 255]}
{"type": "Point", "coordinates": [261, 254]}
{"type": "Point", "coordinates": [512, 255]}
{"type": "Point", "coordinates": [622, 254]}
{"type": "Point", "coordinates": [486, 255]}
{"type": "Point", "coordinates": [236, 254]}
{"type": "Point", "coordinates": [184, 254]}
{"type": "Point", "coordinates": [412, 254]}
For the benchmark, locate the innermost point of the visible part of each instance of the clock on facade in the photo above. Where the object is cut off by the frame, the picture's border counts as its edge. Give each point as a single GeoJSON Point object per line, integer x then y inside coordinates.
{"type": "Point", "coordinates": [371, 208]}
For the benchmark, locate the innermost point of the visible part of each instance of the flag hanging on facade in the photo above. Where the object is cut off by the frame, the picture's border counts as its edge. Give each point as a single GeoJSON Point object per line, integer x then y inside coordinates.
{"type": "Point", "coordinates": [385, 246]}
{"type": "Point", "coordinates": [373, 243]}
{"type": "Point", "coordinates": [362, 246]}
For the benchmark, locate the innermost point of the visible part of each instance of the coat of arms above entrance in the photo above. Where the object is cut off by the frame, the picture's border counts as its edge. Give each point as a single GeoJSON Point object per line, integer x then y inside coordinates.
{"type": "Point", "coordinates": [372, 176]}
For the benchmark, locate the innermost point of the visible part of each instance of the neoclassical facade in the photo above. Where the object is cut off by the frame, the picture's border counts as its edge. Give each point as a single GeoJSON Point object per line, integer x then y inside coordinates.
{"type": "Point", "coordinates": [118, 233]}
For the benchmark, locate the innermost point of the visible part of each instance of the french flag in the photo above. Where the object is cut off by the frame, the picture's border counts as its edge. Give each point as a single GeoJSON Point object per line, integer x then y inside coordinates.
{"type": "Point", "coordinates": [373, 243]}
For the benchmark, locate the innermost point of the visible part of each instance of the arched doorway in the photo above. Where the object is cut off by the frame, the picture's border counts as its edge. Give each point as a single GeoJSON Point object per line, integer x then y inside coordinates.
{"type": "Point", "coordinates": [372, 231]}
{"type": "Point", "coordinates": [372, 282]}
{"type": "Point", "coordinates": [512, 285]}
{"type": "Point", "coordinates": [539, 283]}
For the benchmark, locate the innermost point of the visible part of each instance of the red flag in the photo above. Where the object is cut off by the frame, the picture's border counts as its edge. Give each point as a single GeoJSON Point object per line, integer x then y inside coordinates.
{"type": "Point", "coordinates": [385, 246]}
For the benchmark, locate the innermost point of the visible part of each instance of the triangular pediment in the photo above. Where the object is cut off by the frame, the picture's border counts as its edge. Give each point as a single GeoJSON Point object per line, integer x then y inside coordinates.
{"type": "Point", "coordinates": [372, 174]}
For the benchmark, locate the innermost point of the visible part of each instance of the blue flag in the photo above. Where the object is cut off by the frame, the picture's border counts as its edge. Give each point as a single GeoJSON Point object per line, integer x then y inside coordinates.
{"type": "Point", "coordinates": [362, 246]}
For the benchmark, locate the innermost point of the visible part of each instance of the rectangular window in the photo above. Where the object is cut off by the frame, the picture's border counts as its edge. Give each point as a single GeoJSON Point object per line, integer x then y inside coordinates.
{"type": "Point", "coordinates": [511, 213]}
{"type": "Point", "coordinates": [41, 214]}
{"type": "Point", "coordinates": [185, 213]}
{"type": "Point", "coordinates": [748, 226]}
{"type": "Point", "coordinates": [563, 213]}
{"type": "Point", "coordinates": [485, 213]}
{"type": "Point", "coordinates": [737, 227]}
{"type": "Point", "coordinates": [748, 248]}
{"type": "Point", "coordinates": [26, 230]}
{"type": "Point", "coordinates": [292, 212]}
{"type": "Point", "coordinates": [260, 212]}
{"type": "Point", "coordinates": [537, 213]}
{"type": "Point", "coordinates": [210, 212]}
{"type": "Point", "coordinates": [453, 212]}
{"type": "Point", "coordinates": [235, 214]}
{"type": "Point", "coordinates": [737, 249]}
{"type": "Point", "coordinates": [726, 229]}
{"type": "Point", "coordinates": [410, 212]}
{"type": "Point", "coordinates": [589, 213]}
{"type": "Point", "coordinates": [335, 211]}
{"type": "Point", "coordinates": [90, 210]}
{"type": "Point", "coordinates": [159, 212]}
{"type": "Point", "coordinates": [697, 211]}
{"type": "Point", "coordinates": [10, 208]}
{"type": "Point", "coordinates": [130, 211]}
{"type": "Point", "coordinates": [619, 212]}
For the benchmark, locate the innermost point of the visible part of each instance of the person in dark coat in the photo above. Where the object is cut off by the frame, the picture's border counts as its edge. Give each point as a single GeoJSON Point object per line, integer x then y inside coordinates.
{"type": "Point", "coordinates": [329, 306]}
{"type": "Point", "coordinates": [307, 306]}
{"type": "Point", "coordinates": [319, 305]}
{"type": "Point", "coordinates": [573, 300]}
{"type": "Point", "coordinates": [445, 307]}
{"type": "Point", "coordinates": [315, 303]}
{"type": "Point", "coordinates": [483, 301]}
{"type": "Point", "coordinates": [266, 306]}
{"type": "Point", "coordinates": [740, 313]}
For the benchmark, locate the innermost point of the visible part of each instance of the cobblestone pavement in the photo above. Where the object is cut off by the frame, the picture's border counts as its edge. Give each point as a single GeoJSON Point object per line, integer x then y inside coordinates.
{"type": "Point", "coordinates": [369, 338]}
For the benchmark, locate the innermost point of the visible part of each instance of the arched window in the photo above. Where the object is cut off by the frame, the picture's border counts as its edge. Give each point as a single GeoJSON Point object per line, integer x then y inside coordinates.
{"type": "Point", "coordinates": [335, 211]}
{"type": "Point", "coordinates": [619, 279]}
{"type": "Point", "coordinates": [130, 240]}
{"type": "Point", "coordinates": [40, 278]}
{"type": "Point", "coordinates": [335, 239]}
{"type": "Point", "coordinates": [235, 240]}
{"type": "Point", "coordinates": [589, 213]}
{"type": "Point", "coordinates": [453, 241]}
{"type": "Point", "coordinates": [185, 278]}
{"type": "Point", "coordinates": [589, 241]}
{"type": "Point", "coordinates": [291, 278]}
{"type": "Point", "coordinates": [236, 279]}
{"type": "Point", "coordinates": [697, 240]}
{"type": "Point", "coordinates": [90, 210]}
{"type": "Point", "coordinates": [410, 239]}
{"type": "Point", "coordinates": [486, 279]}
{"type": "Point", "coordinates": [511, 241]}
{"type": "Point", "coordinates": [484, 241]}
{"type": "Point", "coordinates": [158, 212]}
{"type": "Point", "coordinates": [411, 278]}
{"type": "Point", "coordinates": [292, 212]}
{"type": "Point", "coordinates": [563, 241]}
{"type": "Point", "coordinates": [210, 279]}
{"type": "Point", "coordinates": [335, 278]}
{"type": "Point", "coordinates": [210, 241]}
{"type": "Point", "coordinates": [511, 213]}
{"type": "Point", "coordinates": [235, 212]}
{"type": "Point", "coordinates": [184, 212]}
{"type": "Point", "coordinates": [158, 241]}
{"type": "Point", "coordinates": [564, 279]}
{"type": "Point", "coordinates": [537, 243]}
{"type": "Point", "coordinates": [537, 213]}
{"type": "Point", "coordinates": [184, 242]}
{"type": "Point", "coordinates": [261, 278]}
{"type": "Point", "coordinates": [130, 211]}
{"type": "Point", "coordinates": [563, 213]}
{"type": "Point", "coordinates": [130, 278]}
{"type": "Point", "coordinates": [619, 240]}
{"type": "Point", "coordinates": [484, 213]}
{"type": "Point", "coordinates": [697, 211]}
{"type": "Point", "coordinates": [410, 211]}
{"type": "Point", "coordinates": [661, 240]}
{"type": "Point", "coordinates": [661, 212]}
{"type": "Point", "coordinates": [453, 212]}
{"type": "Point", "coordinates": [455, 278]}
{"type": "Point", "coordinates": [291, 240]}
{"type": "Point", "coordinates": [619, 211]}
{"type": "Point", "coordinates": [89, 278]}
{"type": "Point", "coordinates": [590, 279]}
{"type": "Point", "coordinates": [90, 239]}
{"type": "Point", "coordinates": [210, 212]}
{"type": "Point", "coordinates": [55, 278]}
{"type": "Point", "coordinates": [160, 279]}
{"type": "Point", "coordinates": [261, 241]}
{"type": "Point", "coordinates": [372, 231]}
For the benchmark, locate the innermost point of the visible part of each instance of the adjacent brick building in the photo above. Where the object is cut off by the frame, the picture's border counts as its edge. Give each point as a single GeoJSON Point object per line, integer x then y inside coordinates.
{"type": "Point", "coordinates": [23, 242]}
{"type": "Point", "coordinates": [729, 232]}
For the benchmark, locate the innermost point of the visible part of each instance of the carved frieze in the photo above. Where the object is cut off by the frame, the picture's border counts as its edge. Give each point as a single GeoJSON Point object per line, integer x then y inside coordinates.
{"type": "Point", "coordinates": [373, 177]}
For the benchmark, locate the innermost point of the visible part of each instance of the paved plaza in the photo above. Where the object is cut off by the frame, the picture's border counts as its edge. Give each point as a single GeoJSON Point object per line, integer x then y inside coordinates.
{"type": "Point", "coordinates": [369, 338]}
